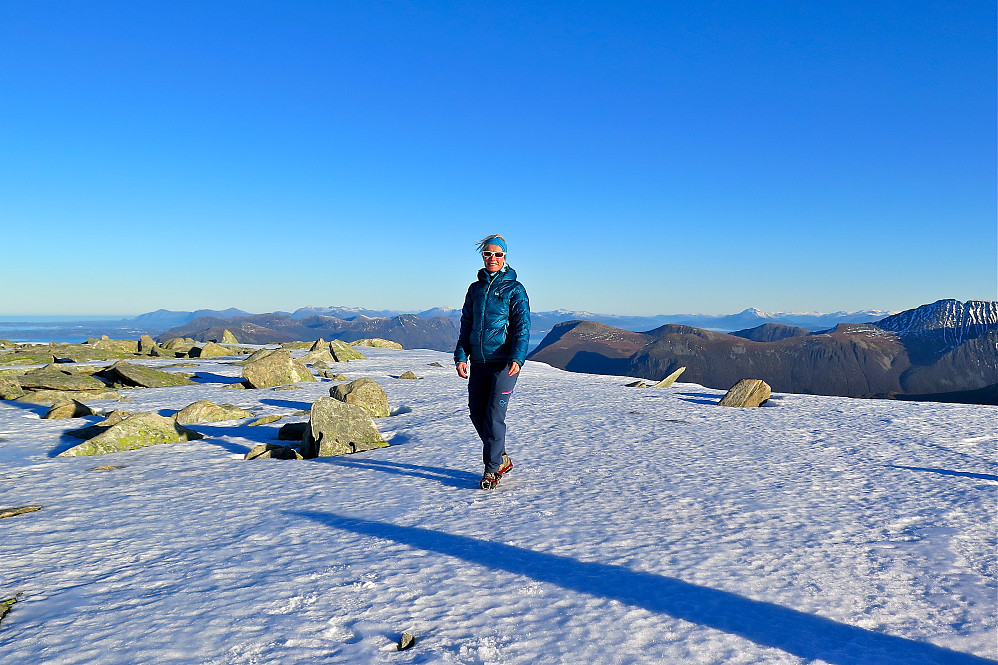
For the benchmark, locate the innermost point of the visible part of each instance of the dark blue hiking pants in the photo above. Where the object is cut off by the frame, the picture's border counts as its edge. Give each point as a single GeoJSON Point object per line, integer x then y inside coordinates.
{"type": "Point", "coordinates": [489, 389]}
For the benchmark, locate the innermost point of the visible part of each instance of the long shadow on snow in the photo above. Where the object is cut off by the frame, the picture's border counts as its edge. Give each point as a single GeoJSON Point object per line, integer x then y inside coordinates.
{"type": "Point", "coordinates": [947, 472]}
{"type": "Point", "coordinates": [711, 399]}
{"type": "Point", "coordinates": [449, 477]}
{"type": "Point", "coordinates": [301, 406]}
{"type": "Point", "coordinates": [804, 635]}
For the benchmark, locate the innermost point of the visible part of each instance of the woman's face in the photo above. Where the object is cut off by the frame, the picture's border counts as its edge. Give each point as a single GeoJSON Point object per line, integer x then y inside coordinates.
{"type": "Point", "coordinates": [493, 263]}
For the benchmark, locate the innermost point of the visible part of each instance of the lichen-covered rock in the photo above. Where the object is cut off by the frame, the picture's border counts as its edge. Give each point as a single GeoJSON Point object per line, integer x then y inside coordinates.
{"type": "Point", "coordinates": [366, 393]}
{"type": "Point", "coordinates": [265, 420]}
{"type": "Point", "coordinates": [330, 374]}
{"type": "Point", "coordinates": [90, 431]}
{"type": "Point", "coordinates": [273, 451]}
{"type": "Point", "coordinates": [121, 345]}
{"type": "Point", "coordinates": [316, 357]}
{"type": "Point", "coordinates": [228, 337]}
{"type": "Point", "coordinates": [206, 411]}
{"type": "Point", "coordinates": [177, 344]}
{"type": "Point", "coordinates": [136, 431]}
{"type": "Point", "coordinates": [70, 409]}
{"type": "Point", "coordinates": [343, 352]}
{"type": "Point", "coordinates": [409, 374]}
{"type": "Point", "coordinates": [10, 388]}
{"type": "Point", "coordinates": [669, 380]}
{"type": "Point", "coordinates": [377, 342]}
{"type": "Point", "coordinates": [319, 345]}
{"type": "Point", "coordinates": [26, 356]}
{"type": "Point", "coordinates": [337, 428]}
{"type": "Point", "coordinates": [52, 377]}
{"type": "Point", "coordinates": [275, 369]}
{"type": "Point", "coordinates": [140, 376]}
{"type": "Point", "coordinates": [747, 392]}
{"type": "Point", "coordinates": [146, 345]}
{"type": "Point", "coordinates": [57, 396]}
{"type": "Point", "coordinates": [292, 431]}
{"type": "Point", "coordinates": [210, 350]}
{"type": "Point", "coordinates": [636, 384]}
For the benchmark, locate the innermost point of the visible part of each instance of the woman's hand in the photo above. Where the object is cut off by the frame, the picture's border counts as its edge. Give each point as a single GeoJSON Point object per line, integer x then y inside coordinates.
{"type": "Point", "coordinates": [462, 370]}
{"type": "Point", "coordinates": [514, 368]}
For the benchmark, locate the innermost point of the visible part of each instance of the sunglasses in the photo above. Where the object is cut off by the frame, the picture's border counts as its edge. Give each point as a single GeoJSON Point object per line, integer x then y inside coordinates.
{"type": "Point", "coordinates": [489, 255]}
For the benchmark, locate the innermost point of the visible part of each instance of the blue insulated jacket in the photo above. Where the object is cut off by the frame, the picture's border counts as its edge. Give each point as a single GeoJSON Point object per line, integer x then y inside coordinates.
{"type": "Point", "coordinates": [495, 321]}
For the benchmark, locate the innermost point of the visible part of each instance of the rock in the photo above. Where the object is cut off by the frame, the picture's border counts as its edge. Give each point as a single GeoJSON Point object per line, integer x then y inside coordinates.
{"type": "Point", "coordinates": [120, 345]}
{"type": "Point", "coordinates": [363, 392]}
{"type": "Point", "coordinates": [275, 369]}
{"type": "Point", "coordinates": [21, 510]}
{"type": "Point", "coordinates": [338, 428]}
{"type": "Point", "coordinates": [265, 420]}
{"type": "Point", "coordinates": [669, 380]}
{"type": "Point", "coordinates": [7, 344]}
{"type": "Point", "coordinates": [58, 396]}
{"type": "Point", "coordinates": [335, 376]}
{"type": "Point", "coordinates": [206, 411]}
{"type": "Point", "coordinates": [320, 364]}
{"type": "Point", "coordinates": [377, 342]}
{"type": "Point", "coordinates": [136, 431]}
{"type": "Point", "coordinates": [434, 364]}
{"type": "Point", "coordinates": [160, 352]}
{"type": "Point", "coordinates": [273, 451]}
{"type": "Point", "coordinates": [343, 352]}
{"type": "Point", "coordinates": [53, 378]}
{"type": "Point", "coordinates": [176, 344]}
{"type": "Point", "coordinates": [9, 387]}
{"type": "Point", "coordinates": [147, 344]}
{"type": "Point", "coordinates": [292, 431]}
{"type": "Point", "coordinates": [209, 350]}
{"type": "Point", "coordinates": [91, 431]}
{"type": "Point", "coordinates": [407, 641]}
{"type": "Point", "coordinates": [235, 386]}
{"type": "Point", "coordinates": [408, 375]}
{"type": "Point", "coordinates": [26, 356]}
{"type": "Point", "coordinates": [70, 409]}
{"type": "Point", "coordinates": [636, 384]}
{"type": "Point", "coordinates": [228, 337]}
{"type": "Point", "coordinates": [257, 355]}
{"type": "Point", "coordinates": [140, 376]}
{"type": "Point", "coordinates": [747, 392]}
{"type": "Point", "coordinates": [81, 353]}
{"type": "Point", "coordinates": [313, 358]}
{"type": "Point", "coordinates": [319, 345]}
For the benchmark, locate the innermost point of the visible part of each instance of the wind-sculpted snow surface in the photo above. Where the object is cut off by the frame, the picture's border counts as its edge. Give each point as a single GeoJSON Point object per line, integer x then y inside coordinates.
{"type": "Point", "coordinates": [638, 526]}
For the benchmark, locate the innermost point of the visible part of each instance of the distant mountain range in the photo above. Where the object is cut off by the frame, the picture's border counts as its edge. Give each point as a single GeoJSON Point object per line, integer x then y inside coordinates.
{"type": "Point", "coordinates": [947, 351]}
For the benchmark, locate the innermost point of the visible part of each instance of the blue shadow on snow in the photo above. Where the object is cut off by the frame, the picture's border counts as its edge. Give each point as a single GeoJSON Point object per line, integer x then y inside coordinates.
{"type": "Point", "coordinates": [449, 477]}
{"type": "Point", "coordinates": [947, 472]}
{"type": "Point", "coordinates": [798, 633]}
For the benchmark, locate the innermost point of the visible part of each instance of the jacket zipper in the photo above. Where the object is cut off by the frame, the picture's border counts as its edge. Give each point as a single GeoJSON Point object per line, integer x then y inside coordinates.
{"type": "Point", "coordinates": [485, 306]}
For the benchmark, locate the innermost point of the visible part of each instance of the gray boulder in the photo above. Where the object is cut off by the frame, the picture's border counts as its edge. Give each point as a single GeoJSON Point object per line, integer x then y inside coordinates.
{"type": "Point", "coordinates": [70, 409]}
{"type": "Point", "coordinates": [91, 431]}
{"type": "Point", "coordinates": [316, 357]}
{"type": "Point", "coordinates": [669, 380]}
{"type": "Point", "coordinates": [120, 345]}
{"type": "Point", "coordinates": [409, 374]}
{"type": "Point", "coordinates": [273, 451]}
{"type": "Point", "coordinates": [206, 411]}
{"type": "Point", "coordinates": [59, 396]}
{"type": "Point", "coordinates": [9, 387]}
{"type": "Point", "coordinates": [210, 350]}
{"type": "Point", "coordinates": [337, 428]}
{"type": "Point", "coordinates": [147, 344]}
{"type": "Point", "coordinates": [747, 392]}
{"type": "Point", "coordinates": [53, 378]}
{"type": "Point", "coordinates": [140, 376]}
{"type": "Point", "coordinates": [228, 337]}
{"type": "Point", "coordinates": [343, 352]}
{"type": "Point", "coordinates": [275, 369]}
{"type": "Point", "coordinates": [366, 393]}
{"type": "Point", "coordinates": [136, 431]}
{"type": "Point", "coordinates": [377, 342]}
{"type": "Point", "coordinates": [292, 431]}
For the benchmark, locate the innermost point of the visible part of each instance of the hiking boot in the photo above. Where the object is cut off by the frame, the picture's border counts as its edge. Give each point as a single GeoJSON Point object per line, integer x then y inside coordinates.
{"type": "Point", "coordinates": [490, 480]}
{"type": "Point", "coordinates": [506, 465]}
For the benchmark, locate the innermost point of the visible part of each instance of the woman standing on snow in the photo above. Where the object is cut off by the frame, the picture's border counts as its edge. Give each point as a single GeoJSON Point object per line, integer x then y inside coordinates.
{"type": "Point", "coordinates": [495, 329]}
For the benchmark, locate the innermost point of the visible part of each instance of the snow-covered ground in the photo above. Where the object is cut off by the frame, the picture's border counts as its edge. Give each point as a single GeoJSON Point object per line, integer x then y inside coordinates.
{"type": "Point", "coordinates": [638, 526]}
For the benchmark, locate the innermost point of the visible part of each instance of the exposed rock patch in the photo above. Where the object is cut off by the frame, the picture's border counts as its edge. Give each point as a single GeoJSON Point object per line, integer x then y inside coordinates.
{"type": "Point", "coordinates": [140, 376]}
{"type": "Point", "coordinates": [136, 431]}
{"type": "Point", "coordinates": [747, 392]}
{"type": "Point", "coordinates": [206, 411]}
{"type": "Point", "coordinates": [366, 393]}
{"type": "Point", "coordinates": [70, 409]}
{"type": "Point", "coordinates": [274, 369]}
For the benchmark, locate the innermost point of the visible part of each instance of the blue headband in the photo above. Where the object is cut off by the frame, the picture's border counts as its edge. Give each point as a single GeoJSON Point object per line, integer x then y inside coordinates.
{"type": "Point", "coordinates": [495, 241]}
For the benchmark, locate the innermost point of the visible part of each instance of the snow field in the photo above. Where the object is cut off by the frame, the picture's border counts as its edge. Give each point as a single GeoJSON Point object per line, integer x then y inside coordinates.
{"type": "Point", "coordinates": [638, 526]}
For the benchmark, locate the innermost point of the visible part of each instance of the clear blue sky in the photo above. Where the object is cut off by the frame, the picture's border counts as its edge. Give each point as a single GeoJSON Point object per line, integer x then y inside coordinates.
{"type": "Point", "coordinates": [640, 157]}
